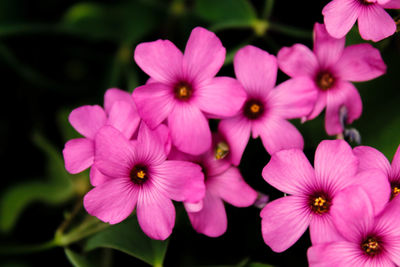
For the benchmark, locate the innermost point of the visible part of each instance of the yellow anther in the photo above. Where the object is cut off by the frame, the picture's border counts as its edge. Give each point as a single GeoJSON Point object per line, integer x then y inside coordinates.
{"type": "Point", "coordinates": [255, 108]}
{"type": "Point", "coordinates": [141, 174]}
{"type": "Point", "coordinates": [319, 202]}
{"type": "Point", "coordinates": [221, 150]}
{"type": "Point", "coordinates": [183, 91]}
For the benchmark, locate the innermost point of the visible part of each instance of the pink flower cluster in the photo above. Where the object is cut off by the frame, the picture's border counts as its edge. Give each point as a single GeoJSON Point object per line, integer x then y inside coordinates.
{"type": "Point", "coordinates": [155, 145]}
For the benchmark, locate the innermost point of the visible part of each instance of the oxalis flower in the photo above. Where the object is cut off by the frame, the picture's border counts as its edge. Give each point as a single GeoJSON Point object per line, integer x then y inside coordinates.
{"type": "Point", "coordinates": [370, 158]}
{"type": "Point", "coordinates": [332, 67]}
{"type": "Point", "coordinates": [312, 192]}
{"type": "Point", "coordinates": [183, 88]}
{"type": "Point", "coordinates": [366, 239]}
{"type": "Point", "coordinates": [223, 183]}
{"type": "Point", "coordinates": [120, 112]}
{"type": "Point", "coordinates": [267, 108]}
{"type": "Point", "coordinates": [140, 176]}
{"type": "Point", "coordinates": [374, 23]}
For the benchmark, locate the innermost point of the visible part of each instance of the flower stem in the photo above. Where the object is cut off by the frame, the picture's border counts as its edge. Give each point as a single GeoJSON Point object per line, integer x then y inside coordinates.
{"type": "Point", "coordinates": [268, 7]}
{"type": "Point", "coordinates": [290, 30]}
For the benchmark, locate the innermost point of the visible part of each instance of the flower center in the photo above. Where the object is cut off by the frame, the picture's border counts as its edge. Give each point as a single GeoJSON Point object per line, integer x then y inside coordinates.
{"type": "Point", "coordinates": [371, 246]}
{"type": "Point", "coordinates": [221, 150]}
{"type": "Point", "coordinates": [139, 174]}
{"type": "Point", "coordinates": [325, 80]}
{"type": "Point", "coordinates": [395, 190]}
{"type": "Point", "coordinates": [367, 2]}
{"type": "Point", "coordinates": [319, 203]}
{"type": "Point", "coordinates": [253, 109]}
{"type": "Point", "coordinates": [183, 91]}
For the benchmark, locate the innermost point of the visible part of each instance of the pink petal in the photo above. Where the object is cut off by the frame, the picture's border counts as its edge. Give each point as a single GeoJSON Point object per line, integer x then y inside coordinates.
{"type": "Point", "coordinates": [204, 55]}
{"type": "Point", "coordinates": [161, 60]}
{"type": "Point", "coordinates": [395, 171]}
{"type": "Point", "coordinates": [361, 62]}
{"type": "Point", "coordinates": [289, 171]}
{"type": "Point", "coordinates": [124, 117]}
{"type": "Point", "coordinates": [375, 24]}
{"type": "Point", "coordinates": [327, 48]}
{"type": "Point", "coordinates": [221, 97]}
{"type": "Point", "coordinates": [193, 207]}
{"type": "Point", "coordinates": [382, 2]}
{"type": "Point", "coordinates": [113, 95]}
{"type": "Point", "coordinates": [154, 102]}
{"type": "Point", "coordinates": [212, 165]}
{"type": "Point", "coordinates": [211, 220]}
{"type": "Point", "coordinates": [297, 60]}
{"type": "Point", "coordinates": [278, 134]}
{"type": "Point", "coordinates": [284, 221]}
{"type": "Point", "coordinates": [345, 94]}
{"type": "Point", "coordinates": [179, 180]}
{"type": "Point", "coordinates": [151, 144]}
{"type": "Point", "coordinates": [256, 70]}
{"type": "Point", "coordinates": [231, 187]}
{"type": "Point", "coordinates": [340, 16]}
{"type": "Point", "coordinates": [189, 129]}
{"type": "Point", "coordinates": [320, 104]}
{"type": "Point", "coordinates": [371, 158]}
{"type": "Point", "coordinates": [394, 4]}
{"type": "Point", "coordinates": [114, 154]}
{"type": "Point", "coordinates": [353, 213]}
{"type": "Point", "coordinates": [335, 164]}
{"type": "Point", "coordinates": [294, 98]}
{"type": "Point", "coordinates": [97, 177]}
{"type": "Point", "coordinates": [237, 133]}
{"type": "Point", "coordinates": [155, 213]}
{"type": "Point", "coordinates": [78, 155]}
{"type": "Point", "coordinates": [112, 201]}
{"type": "Point", "coordinates": [323, 230]}
{"type": "Point", "coordinates": [87, 120]}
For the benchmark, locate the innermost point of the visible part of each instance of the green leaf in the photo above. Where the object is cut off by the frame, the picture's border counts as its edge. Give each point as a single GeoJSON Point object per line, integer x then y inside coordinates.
{"type": "Point", "coordinates": [129, 238]}
{"type": "Point", "coordinates": [223, 14]}
{"type": "Point", "coordinates": [126, 22]}
{"type": "Point", "coordinates": [56, 190]}
{"type": "Point", "coordinates": [76, 259]}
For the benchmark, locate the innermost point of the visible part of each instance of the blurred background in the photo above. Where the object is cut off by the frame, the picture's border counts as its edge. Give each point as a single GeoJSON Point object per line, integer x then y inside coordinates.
{"type": "Point", "coordinates": [58, 55]}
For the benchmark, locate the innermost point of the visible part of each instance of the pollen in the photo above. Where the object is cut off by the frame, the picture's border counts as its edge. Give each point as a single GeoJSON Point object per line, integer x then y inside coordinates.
{"type": "Point", "coordinates": [325, 80]}
{"type": "Point", "coordinates": [395, 192]}
{"type": "Point", "coordinates": [253, 109]}
{"type": "Point", "coordinates": [183, 91]}
{"type": "Point", "coordinates": [319, 203]}
{"type": "Point", "coordinates": [139, 174]}
{"type": "Point", "coordinates": [371, 246]}
{"type": "Point", "coordinates": [221, 150]}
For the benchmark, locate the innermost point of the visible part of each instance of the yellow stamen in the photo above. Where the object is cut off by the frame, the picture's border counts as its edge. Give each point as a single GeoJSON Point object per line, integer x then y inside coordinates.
{"type": "Point", "coordinates": [371, 246]}
{"type": "Point", "coordinates": [221, 150]}
{"type": "Point", "coordinates": [141, 174]}
{"type": "Point", "coordinates": [255, 108]}
{"type": "Point", "coordinates": [325, 81]}
{"type": "Point", "coordinates": [395, 192]}
{"type": "Point", "coordinates": [319, 202]}
{"type": "Point", "coordinates": [183, 91]}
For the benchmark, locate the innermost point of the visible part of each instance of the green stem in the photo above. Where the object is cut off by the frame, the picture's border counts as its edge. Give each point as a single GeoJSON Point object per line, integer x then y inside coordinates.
{"type": "Point", "coordinates": [27, 249]}
{"type": "Point", "coordinates": [268, 7]}
{"type": "Point", "coordinates": [290, 30]}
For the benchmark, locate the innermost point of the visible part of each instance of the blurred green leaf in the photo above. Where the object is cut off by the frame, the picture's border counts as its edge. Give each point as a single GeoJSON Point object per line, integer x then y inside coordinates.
{"type": "Point", "coordinates": [126, 22]}
{"type": "Point", "coordinates": [57, 189]}
{"type": "Point", "coordinates": [76, 259]}
{"type": "Point", "coordinates": [128, 237]}
{"type": "Point", "coordinates": [68, 132]}
{"type": "Point", "coordinates": [223, 14]}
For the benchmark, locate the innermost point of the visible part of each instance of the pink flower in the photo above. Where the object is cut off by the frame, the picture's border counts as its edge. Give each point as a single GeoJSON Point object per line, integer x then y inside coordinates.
{"type": "Point", "coordinates": [366, 239]}
{"type": "Point", "coordinates": [266, 109]}
{"type": "Point", "coordinates": [373, 22]}
{"type": "Point", "coordinates": [183, 89]}
{"type": "Point", "coordinates": [330, 67]}
{"type": "Point", "coordinates": [139, 175]}
{"type": "Point", "coordinates": [370, 158]}
{"type": "Point", "coordinates": [120, 112]}
{"type": "Point", "coordinates": [223, 183]}
{"type": "Point", "coordinates": [312, 192]}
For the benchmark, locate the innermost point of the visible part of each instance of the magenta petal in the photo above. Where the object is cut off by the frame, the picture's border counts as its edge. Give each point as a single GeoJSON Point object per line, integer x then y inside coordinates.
{"type": "Point", "coordinates": [87, 120]}
{"type": "Point", "coordinates": [204, 55]}
{"type": "Point", "coordinates": [155, 213]}
{"type": "Point", "coordinates": [221, 97]}
{"type": "Point", "coordinates": [284, 221]}
{"type": "Point", "coordinates": [189, 128]}
{"type": "Point", "coordinates": [294, 98]}
{"type": "Point", "coordinates": [371, 158]}
{"type": "Point", "coordinates": [112, 201]}
{"type": "Point", "coordinates": [231, 187]}
{"type": "Point", "coordinates": [78, 155]}
{"type": "Point", "coordinates": [114, 154]}
{"type": "Point", "coordinates": [179, 180]}
{"type": "Point", "coordinates": [361, 62]}
{"type": "Point", "coordinates": [335, 164]}
{"type": "Point", "coordinates": [193, 207]}
{"type": "Point", "coordinates": [345, 94]}
{"type": "Point", "coordinates": [340, 16]}
{"type": "Point", "coordinates": [124, 117]}
{"type": "Point", "coordinates": [395, 171]}
{"type": "Point", "coordinates": [97, 177]}
{"type": "Point", "coordinates": [320, 104]}
{"type": "Point", "coordinates": [154, 102]}
{"type": "Point", "coordinates": [161, 60]}
{"type": "Point", "coordinates": [113, 95]}
{"type": "Point", "coordinates": [256, 70]}
{"type": "Point", "coordinates": [237, 133]}
{"type": "Point", "coordinates": [327, 48]}
{"type": "Point", "coordinates": [289, 171]}
{"type": "Point", "coordinates": [375, 24]}
{"type": "Point", "coordinates": [278, 134]}
{"type": "Point", "coordinates": [323, 230]}
{"type": "Point", "coordinates": [211, 220]}
{"type": "Point", "coordinates": [297, 60]}
{"type": "Point", "coordinates": [151, 144]}
{"type": "Point", "coordinates": [352, 212]}
{"type": "Point", "coordinates": [327, 255]}
{"type": "Point", "coordinates": [394, 4]}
